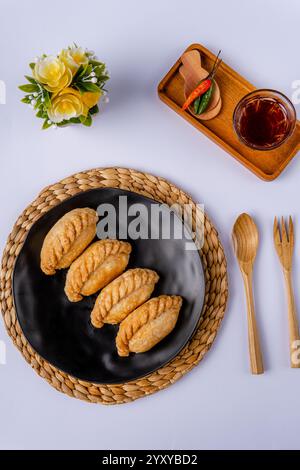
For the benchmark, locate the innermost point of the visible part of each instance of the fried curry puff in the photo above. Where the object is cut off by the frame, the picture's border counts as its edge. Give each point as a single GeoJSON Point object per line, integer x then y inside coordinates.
{"type": "Point", "coordinates": [67, 239]}
{"type": "Point", "coordinates": [123, 295]}
{"type": "Point", "coordinates": [100, 263]}
{"type": "Point", "coordinates": [148, 325]}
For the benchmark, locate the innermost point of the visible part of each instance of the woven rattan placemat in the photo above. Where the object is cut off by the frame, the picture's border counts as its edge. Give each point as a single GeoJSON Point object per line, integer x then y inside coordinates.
{"type": "Point", "coordinates": [214, 264]}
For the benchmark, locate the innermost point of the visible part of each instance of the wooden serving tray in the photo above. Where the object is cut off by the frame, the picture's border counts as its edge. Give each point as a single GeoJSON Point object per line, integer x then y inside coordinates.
{"type": "Point", "coordinates": [266, 164]}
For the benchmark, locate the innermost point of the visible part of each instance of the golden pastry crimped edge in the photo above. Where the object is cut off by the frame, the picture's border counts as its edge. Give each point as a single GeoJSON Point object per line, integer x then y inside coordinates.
{"type": "Point", "coordinates": [147, 312]}
{"type": "Point", "coordinates": [90, 262]}
{"type": "Point", "coordinates": [67, 239]}
{"type": "Point", "coordinates": [139, 281]}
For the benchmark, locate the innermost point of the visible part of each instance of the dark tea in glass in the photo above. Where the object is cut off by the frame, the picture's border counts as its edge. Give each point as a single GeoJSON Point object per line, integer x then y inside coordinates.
{"type": "Point", "coordinates": [264, 119]}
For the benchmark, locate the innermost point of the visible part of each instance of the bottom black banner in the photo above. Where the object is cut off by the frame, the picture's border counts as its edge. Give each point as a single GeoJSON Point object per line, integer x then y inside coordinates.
{"type": "Point", "coordinates": [136, 458]}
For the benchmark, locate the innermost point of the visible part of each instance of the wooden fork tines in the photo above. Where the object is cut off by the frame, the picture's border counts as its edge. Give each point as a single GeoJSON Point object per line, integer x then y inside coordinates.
{"type": "Point", "coordinates": [284, 244]}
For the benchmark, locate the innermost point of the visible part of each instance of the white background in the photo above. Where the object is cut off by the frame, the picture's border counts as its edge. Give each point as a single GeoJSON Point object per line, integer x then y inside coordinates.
{"type": "Point", "coordinates": [219, 405]}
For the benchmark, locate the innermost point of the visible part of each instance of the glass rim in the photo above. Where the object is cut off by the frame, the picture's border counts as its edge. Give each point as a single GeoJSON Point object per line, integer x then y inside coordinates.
{"type": "Point", "coordinates": [287, 103]}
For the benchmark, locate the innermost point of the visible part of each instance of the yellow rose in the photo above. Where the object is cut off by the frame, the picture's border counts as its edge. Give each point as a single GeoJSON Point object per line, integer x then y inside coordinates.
{"type": "Point", "coordinates": [66, 105]}
{"type": "Point", "coordinates": [91, 99]}
{"type": "Point", "coordinates": [53, 73]}
{"type": "Point", "coordinates": [73, 57]}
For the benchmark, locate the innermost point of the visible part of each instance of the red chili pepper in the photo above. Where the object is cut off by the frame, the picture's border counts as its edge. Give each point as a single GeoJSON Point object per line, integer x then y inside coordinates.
{"type": "Point", "coordinates": [199, 90]}
{"type": "Point", "coordinates": [203, 86]}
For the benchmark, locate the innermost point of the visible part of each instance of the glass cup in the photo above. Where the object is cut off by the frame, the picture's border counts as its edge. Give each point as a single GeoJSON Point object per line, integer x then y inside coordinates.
{"type": "Point", "coordinates": [264, 119]}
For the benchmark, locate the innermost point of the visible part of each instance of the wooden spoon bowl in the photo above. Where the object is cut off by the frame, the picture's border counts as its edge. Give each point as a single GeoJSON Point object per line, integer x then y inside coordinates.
{"type": "Point", "coordinates": [192, 72]}
{"type": "Point", "coordinates": [245, 239]}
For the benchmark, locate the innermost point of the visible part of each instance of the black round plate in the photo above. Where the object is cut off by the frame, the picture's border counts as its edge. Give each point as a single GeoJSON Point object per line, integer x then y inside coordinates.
{"type": "Point", "coordinates": [61, 332]}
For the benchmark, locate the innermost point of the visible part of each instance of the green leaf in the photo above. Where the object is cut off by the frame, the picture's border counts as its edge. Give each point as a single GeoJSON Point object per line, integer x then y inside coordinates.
{"type": "Point", "coordinates": [103, 78]}
{"type": "Point", "coordinates": [94, 109]}
{"type": "Point", "coordinates": [25, 100]}
{"type": "Point", "coordinates": [42, 113]}
{"type": "Point", "coordinates": [31, 79]}
{"type": "Point", "coordinates": [29, 88]}
{"type": "Point", "coordinates": [88, 69]}
{"type": "Point", "coordinates": [75, 120]}
{"type": "Point", "coordinates": [90, 87]}
{"type": "Point", "coordinates": [78, 73]}
{"type": "Point", "coordinates": [47, 99]}
{"type": "Point", "coordinates": [99, 69]}
{"type": "Point", "coordinates": [86, 121]}
{"type": "Point", "coordinates": [83, 71]}
{"type": "Point", "coordinates": [96, 62]}
{"type": "Point", "coordinates": [32, 65]}
{"type": "Point", "coordinates": [46, 125]}
{"type": "Point", "coordinates": [67, 122]}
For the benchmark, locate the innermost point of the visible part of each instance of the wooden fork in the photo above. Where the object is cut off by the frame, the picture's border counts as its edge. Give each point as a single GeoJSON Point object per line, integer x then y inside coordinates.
{"type": "Point", "coordinates": [284, 244]}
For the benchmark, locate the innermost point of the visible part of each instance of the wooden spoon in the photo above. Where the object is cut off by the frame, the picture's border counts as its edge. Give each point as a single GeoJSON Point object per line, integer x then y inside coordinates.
{"type": "Point", "coordinates": [245, 242]}
{"type": "Point", "coordinates": [192, 72]}
{"type": "Point", "coordinates": [192, 67]}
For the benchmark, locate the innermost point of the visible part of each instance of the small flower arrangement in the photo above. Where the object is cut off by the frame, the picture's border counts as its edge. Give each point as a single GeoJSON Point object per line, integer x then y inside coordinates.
{"type": "Point", "coordinates": [65, 89]}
